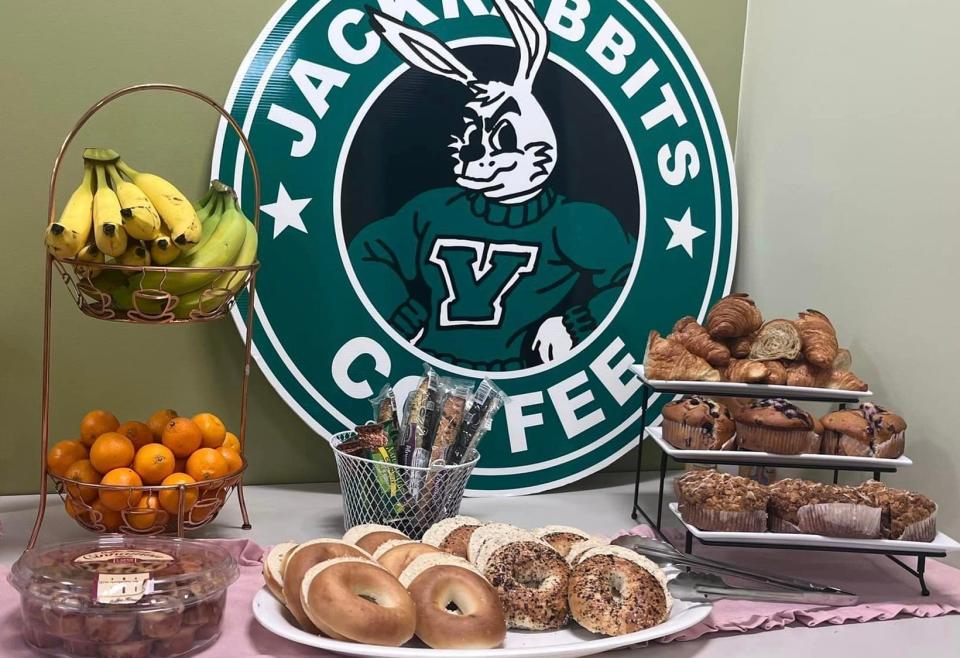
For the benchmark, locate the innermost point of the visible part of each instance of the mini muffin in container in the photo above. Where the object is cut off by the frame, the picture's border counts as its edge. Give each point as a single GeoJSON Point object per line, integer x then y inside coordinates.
{"type": "Point", "coordinates": [776, 426]}
{"type": "Point", "coordinates": [122, 596]}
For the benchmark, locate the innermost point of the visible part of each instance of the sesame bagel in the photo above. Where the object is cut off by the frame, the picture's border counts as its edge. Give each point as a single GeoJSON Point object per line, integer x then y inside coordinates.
{"type": "Point", "coordinates": [452, 535]}
{"type": "Point", "coordinates": [456, 607]}
{"type": "Point", "coordinates": [531, 579]}
{"type": "Point", "coordinates": [300, 560]}
{"type": "Point", "coordinates": [358, 600]}
{"type": "Point", "coordinates": [561, 537]}
{"type": "Point", "coordinates": [614, 591]}
{"type": "Point", "coordinates": [498, 532]}
{"type": "Point", "coordinates": [369, 536]}
{"type": "Point", "coordinates": [577, 550]}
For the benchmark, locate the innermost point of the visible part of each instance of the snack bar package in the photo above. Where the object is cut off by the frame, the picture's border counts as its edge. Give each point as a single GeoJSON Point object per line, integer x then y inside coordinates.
{"type": "Point", "coordinates": [477, 420]}
{"type": "Point", "coordinates": [376, 438]}
{"type": "Point", "coordinates": [452, 407]}
{"type": "Point", "coordinates": [412, 430]}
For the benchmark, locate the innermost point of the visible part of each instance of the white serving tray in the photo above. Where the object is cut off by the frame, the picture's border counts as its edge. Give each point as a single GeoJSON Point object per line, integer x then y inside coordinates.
{"type": "Point", "coordinates": [751, 390]}
{"type": "Point", "coordinates": [940, 544]}
{"type": "Point", "coordinates": [570, 642]}
{"type": "Point", "coordinates": [768, 458]}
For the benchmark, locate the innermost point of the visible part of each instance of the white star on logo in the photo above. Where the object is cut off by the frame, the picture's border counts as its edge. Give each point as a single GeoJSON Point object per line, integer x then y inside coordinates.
{"type": "Point", "coordinates": [684, 233]}
{"type": "Point", "coordinates": [286, 212]}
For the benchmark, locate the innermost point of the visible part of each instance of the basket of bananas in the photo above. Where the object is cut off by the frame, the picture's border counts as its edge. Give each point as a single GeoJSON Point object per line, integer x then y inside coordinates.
{"type": "Point", "coordinates": [132, 247]}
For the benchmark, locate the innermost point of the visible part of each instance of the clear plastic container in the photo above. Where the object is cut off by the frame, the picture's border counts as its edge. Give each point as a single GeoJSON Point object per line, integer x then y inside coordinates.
{"type": "Point", "coordinates": [120, 596]}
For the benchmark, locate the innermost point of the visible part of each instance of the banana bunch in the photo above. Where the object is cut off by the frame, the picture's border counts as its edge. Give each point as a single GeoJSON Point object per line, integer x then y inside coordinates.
{"type": "Point", "coordinates": [226, 238]}
{"type": "Point", "coordinates": [135, 218]}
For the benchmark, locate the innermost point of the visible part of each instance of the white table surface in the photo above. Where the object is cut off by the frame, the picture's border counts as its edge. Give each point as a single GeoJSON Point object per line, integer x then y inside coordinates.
{"type": "Point", "coordinates": [601, 504]}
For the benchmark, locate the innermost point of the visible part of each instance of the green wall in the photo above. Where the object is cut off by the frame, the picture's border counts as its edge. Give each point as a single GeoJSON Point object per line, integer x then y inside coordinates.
{"type": "Point", "coordinates": [56, 59]}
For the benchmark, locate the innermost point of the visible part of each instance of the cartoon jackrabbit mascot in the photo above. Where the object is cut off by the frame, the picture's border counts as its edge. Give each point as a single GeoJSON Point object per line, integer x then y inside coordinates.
{"type": "Point", "coordinates": [501, 272]}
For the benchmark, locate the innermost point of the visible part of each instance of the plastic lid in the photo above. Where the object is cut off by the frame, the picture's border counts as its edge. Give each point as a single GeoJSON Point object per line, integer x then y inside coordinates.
{"type": "Point", "coordinates": [123, 573]}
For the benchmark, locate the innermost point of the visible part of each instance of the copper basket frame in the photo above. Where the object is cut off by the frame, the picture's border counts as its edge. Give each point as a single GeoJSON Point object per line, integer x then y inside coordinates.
{"type": "Point", "coordinates": [47, 305]}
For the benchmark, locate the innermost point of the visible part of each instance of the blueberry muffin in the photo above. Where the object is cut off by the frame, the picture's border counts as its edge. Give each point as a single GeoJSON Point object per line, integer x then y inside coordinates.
{"type": "Point", "coordinates": [869, 431]}
{"type": "Point", "coordinates": [698, 423]}
{"type": "Point", "coordinates": [774, 425]}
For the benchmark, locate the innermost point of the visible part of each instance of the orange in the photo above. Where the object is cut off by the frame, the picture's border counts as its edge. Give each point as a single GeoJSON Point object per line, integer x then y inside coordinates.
{"type": "Point", "coordinates": [110, 451]}
{"type": "Point", "coordinates": [212, 430]}
{"type": "Point", "coordinates": [122, 498]}
{"type": "Point", "coordinates": [153, 462]}
{"type": "Point", "coordinates": [109, 519]}
{"type": "Point", "coordinates": [232, 457]}
{"type": "Point", "coordinates": [182, 436]}
{"type": "Point", "coordinates": [82, 471]}
{"type": "Point", "coordinates": [206, 464]}
{"type": "Point", "coordinates": [170, 498]}
{"type": "Point", "coordinates": [63, 454]}
{"type": "Point", "coordinates": [72, 510]}
{"type": "Point", "coordinates": [138, 433]}
{"type": "Point", "coordinates": [95, 423]}
{"type": "Point", "coordinates": [159, 420]}
{"type": "Point", "coordinates": [146, 515]}
{"type": "Point", "coordinates": [231, 441]}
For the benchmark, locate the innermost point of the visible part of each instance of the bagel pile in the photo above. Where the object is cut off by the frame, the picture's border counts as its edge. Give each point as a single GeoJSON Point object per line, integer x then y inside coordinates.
{"type": "Point", "coordinates": [464, 584]}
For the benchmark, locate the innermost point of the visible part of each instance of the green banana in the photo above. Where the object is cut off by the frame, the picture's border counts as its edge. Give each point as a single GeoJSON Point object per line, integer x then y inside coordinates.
{"type": "Point", "coordinates": [231, 281]}
{"type": "Point", "coordinates": [65, 237]}
{"type": "Point", "coordinates": [209, 225]}
{"type": "Point", "coordinates": [220, 251]}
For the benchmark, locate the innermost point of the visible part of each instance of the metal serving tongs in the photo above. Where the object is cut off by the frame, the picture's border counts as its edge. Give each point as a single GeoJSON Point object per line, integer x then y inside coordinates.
{"type": "Point", "coordinates": [704, 584]}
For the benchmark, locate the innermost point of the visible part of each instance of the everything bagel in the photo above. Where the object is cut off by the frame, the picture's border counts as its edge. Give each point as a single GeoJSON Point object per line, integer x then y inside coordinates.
{"type": "Point", "coordinates": [531, 579]}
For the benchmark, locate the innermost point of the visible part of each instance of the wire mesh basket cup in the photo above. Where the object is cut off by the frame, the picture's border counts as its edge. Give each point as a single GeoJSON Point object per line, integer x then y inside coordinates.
{"type": "Point", "coordinates": [408, 498]}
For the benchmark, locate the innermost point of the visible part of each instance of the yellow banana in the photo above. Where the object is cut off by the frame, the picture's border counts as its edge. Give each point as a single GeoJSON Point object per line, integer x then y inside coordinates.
{"type": "Point", "coordinates": [89, 254]}
{"type": "Point", "coordinates": [175, 210]}
{"type": "Point", "coordinates": [163, 251]}
{"type": "Point", "coordinates": [140, 219]}
{"type": "Point", "coordinates": [136, 255]}
{"type": "Point", "coordinates": [65, 237]}
{"type": "Point", "coordinates": [107, 224]}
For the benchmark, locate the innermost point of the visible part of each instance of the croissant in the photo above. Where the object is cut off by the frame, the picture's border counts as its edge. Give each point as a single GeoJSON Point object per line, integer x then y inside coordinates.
{"type": "Point", "coordinates": [802, 374]}
{"type": "Point", "coordinates": [777, 339]}
{"type": "Point", "coordinates": [740, 346]}
{"type": "Point", "coordinates": [734, 315]}
{"type": "Point", "coordinates": [778, 373]}
{"type": "Point", "coordinates": [843, 360]}
{"type": "Point", "coordinates": [843, 380]}
{"type": "Point", "coordinates": [745, 370]}
{"type": "Point", "coordinates": [688, 332]}
{"type": "Point", "coordinates": [670, 360]}
{"type": "Point", "coordinates": [819, 338]}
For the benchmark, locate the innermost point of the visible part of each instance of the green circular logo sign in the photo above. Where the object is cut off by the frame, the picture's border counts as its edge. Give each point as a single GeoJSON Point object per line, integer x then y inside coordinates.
{"type": "Point", "coordinates": [500, 188]}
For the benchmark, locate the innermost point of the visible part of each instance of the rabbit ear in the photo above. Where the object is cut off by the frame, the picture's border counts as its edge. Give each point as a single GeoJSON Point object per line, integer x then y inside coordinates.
{"type": "Point", "coordinates": [420, 49]}
{"type": "Point", "coordinates": [530, 35]}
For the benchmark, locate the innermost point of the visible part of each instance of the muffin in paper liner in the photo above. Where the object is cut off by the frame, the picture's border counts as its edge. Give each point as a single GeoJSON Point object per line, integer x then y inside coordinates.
{"type": "Point", "coordinates": [923, 530]}
{"type": "Point", "coordinates": [686, 437]}
{"type": "Point", "coordinates": [781, 525]}
{"type": "Point", "coordinates": [892, 447]}
{"type": "Point", "coordinates": [830, 442]}
{"type": "Point", "coordinates": [716, 520]}
{"type": "Point", "coordinates": [777, 441]}
{"type": "Point", "coordinates": [840, 520]}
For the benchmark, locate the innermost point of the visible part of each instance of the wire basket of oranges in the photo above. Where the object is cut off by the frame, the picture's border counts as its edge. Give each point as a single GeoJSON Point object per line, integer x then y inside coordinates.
{"type": "Point", "coordinates": [167, 475]}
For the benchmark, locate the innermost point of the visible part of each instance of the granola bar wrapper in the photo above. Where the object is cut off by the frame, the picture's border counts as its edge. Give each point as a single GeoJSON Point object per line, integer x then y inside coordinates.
{"type": "Point", "coordinates": [686, 437]}
{"type": "Point", "coordinates": [380, 449]}
{"type": "Point", "coordinates": [923, 530]}
{"type": "Point", "coordinates": [892, 447]}
{"type": "Point", "coordinates": [477, 420]}
{"type": "Point", "coordinates": [778, 442]}
{"type": "Point", "coordinates": [840, 520]}
{"type": "Point", "coordinates": [716, 520]}
{"type": "Point", "coordinates": [452, 408]}
{"type": "Point", "coordinates": [414, 429]}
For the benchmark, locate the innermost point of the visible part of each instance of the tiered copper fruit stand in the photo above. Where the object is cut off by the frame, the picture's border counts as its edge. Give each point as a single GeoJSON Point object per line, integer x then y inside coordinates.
{"type": "Point", "coordinates": [147, 306]}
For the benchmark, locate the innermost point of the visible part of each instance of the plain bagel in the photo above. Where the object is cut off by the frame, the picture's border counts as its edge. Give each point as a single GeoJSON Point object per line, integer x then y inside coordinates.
{"type": "Point", "coordinates": [452, 535]}
{"type": "Point", "coordinates": [300, 560]}
{"type": "Point", "coordinates": [273, 568]}
{"type": "Point", "coordinates": [531, 579]}
{"type": "Point", "coordinates": [456, 607]}
{"type": "Point", "coordinates": [358, 600]}
{"type": "Point", "coordinates": [615, 591]}
{"type": "Point", "coordinates": [369, 536]}
{"type": "Point", "coordinates": [494, 532]}
{"type": "Point", "coordinates": [397, 554]}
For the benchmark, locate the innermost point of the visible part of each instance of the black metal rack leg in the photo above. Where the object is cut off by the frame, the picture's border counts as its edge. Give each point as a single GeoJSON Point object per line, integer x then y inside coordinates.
{"type": "Point", "coordinates": [688, 542]}
{"type": "Point", "coordinates": [876, 475]}
{"type": "Point", "coordinates": [663, 476]}
{"type": "Point", "coordinates": [836, 476]}
{"type": "Point", "coordinates": [643, 430]}
{"type": "Point", "coordinates": [919, 572]}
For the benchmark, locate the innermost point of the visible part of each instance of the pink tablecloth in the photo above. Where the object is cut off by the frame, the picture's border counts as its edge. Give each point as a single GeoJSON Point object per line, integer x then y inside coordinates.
{"type": "Point", "coordinates": [886, 591]}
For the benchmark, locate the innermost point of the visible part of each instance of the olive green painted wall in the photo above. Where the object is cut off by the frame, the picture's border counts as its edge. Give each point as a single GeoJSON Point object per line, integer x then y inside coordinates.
{"type": "Point", "coordinates": [57, 58]}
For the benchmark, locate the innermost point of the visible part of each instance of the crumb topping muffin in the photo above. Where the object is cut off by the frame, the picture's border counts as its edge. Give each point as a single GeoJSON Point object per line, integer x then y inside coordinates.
{"type": "Point", "coordinates": [697, 423]}
{"type": "Point", "coordinates": [906, 515]}
{"type": "Point", "coordinates": [721, 491]}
